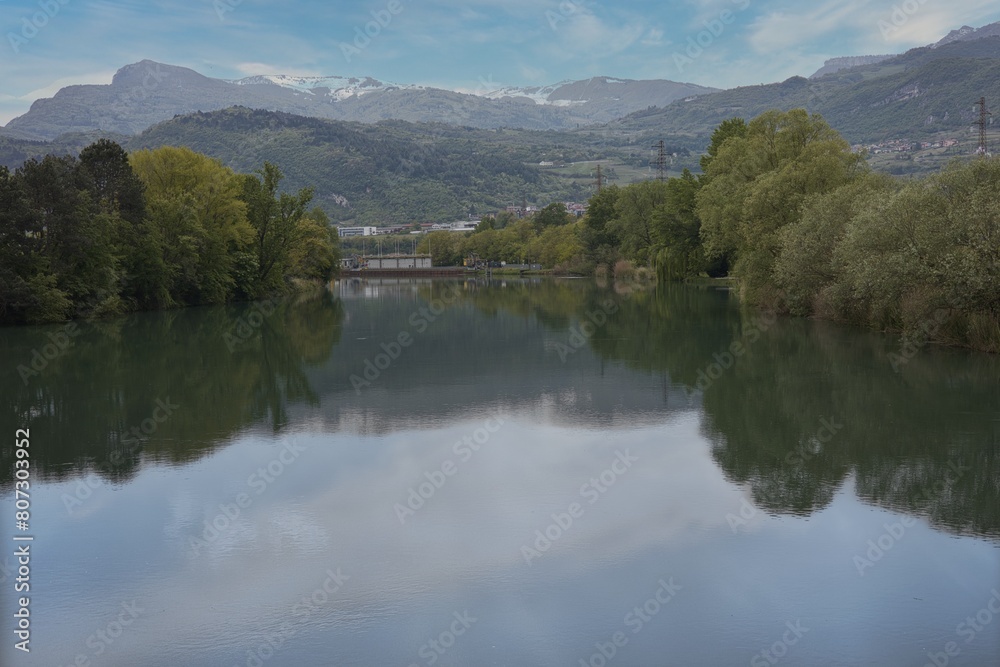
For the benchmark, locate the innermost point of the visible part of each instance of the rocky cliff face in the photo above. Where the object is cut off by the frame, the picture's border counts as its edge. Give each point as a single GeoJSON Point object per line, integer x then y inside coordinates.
{"type": "Point", "coordinates": [837, 64]}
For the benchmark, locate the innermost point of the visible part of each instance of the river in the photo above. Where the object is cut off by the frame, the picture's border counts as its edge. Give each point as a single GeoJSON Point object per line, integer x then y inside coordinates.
{"type": "Point", "coordinates": [505, 472]}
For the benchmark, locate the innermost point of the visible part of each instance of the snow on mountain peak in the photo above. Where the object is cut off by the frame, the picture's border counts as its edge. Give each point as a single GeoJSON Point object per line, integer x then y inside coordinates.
{"type": "Point", "coordinates": [339, 87]}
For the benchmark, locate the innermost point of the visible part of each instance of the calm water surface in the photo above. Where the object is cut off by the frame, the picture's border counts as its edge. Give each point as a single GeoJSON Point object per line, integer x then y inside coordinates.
{"type": "Point", "coordinates": [501, 473]}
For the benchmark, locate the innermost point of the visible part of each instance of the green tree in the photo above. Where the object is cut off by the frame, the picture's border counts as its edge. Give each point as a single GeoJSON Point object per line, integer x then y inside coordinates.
{"type": "Point", "coordinates": [676, 231]}
{"type": "Point", "coordinates": [114, 185]}
{"type": "Point", "coordinates": [317, 254]}
{"type": "Point", "coordinates": [277, 223]}
{"type": "Point", "coordinates": [806, 268]}
{"type": "Point", "coordinates": [77, 240]}
{"type": "Point", "coordinates": [553, 215]}
{"type": "Point", "coordinates": [600, 242]}
{"type": "Point", "coordinates": [633, 218]}
{"type": "Point", "coordinates": [756, 185]}
{"type": "Point", "coordinates": [734, 127]}
{"type": "Point", "coordinates": [488, 222]}
{"type": "Point", "coordinates": [28, 289]}
{"type": "Point", "coordinates": [197, 224]}
{"type": "Point", "coordinates": [444, 248]}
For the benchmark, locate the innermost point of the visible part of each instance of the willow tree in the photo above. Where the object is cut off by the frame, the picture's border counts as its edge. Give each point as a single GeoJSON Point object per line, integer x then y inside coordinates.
{"type": "Point", "coordinates": [278, 224]}
{"type": "Point", "coordinates": [756, 184]}
{"type": "Point", "coordinates": [197, 224]}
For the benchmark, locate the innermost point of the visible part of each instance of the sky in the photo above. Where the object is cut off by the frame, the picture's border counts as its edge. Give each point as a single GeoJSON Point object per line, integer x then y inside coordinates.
{"type": "Point", "coordinates": [467, 45]}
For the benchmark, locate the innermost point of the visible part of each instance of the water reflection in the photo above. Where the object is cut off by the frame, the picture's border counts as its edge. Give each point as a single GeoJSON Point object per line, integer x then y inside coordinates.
{"type": "Point", "coordinates": [168, 386]}
{"type": "Point", "coordinates": [802, 409]}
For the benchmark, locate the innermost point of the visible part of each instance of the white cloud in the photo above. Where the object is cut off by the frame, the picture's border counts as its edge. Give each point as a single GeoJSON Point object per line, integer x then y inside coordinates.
{"type": "Point", "coordinates": [930, 22]}
{"type": "Point", "coordinates": [864, 24]}
{"type": "Point", "coordinates": [778, 31]}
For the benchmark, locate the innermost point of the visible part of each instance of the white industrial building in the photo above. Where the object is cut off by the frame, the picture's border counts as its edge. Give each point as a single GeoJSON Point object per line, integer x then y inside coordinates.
{"type": "Point", "coordinates": [397, 262]}
{"type": "Point", "coordinates": [357, 231]}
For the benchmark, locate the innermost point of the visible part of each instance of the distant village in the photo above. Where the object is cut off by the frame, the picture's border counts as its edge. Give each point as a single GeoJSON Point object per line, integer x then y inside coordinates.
{"type": "Point", "coordinates": [524, 211]}
{"type": "Point", "coordinates": [902, 146]}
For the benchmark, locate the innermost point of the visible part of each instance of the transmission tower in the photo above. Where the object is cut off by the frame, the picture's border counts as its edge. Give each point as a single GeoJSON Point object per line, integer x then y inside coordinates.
{"type": "Point", "coordinates": [661, 160]}
{"type": "Point", "coordinates": [983, 113]}
{"type": "Point", "coordinates": [600, 179]}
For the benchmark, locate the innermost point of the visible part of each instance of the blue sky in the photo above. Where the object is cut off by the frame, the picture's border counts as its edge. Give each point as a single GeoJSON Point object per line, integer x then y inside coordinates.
{"type": "Point", "coordinates": [459, 44]}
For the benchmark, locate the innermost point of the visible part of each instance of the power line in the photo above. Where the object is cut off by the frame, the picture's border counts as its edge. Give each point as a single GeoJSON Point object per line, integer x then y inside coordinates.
{"type": "Point", "coordinates": [661, 160]}
{"type": "Point", "coordinates": [983, 113]}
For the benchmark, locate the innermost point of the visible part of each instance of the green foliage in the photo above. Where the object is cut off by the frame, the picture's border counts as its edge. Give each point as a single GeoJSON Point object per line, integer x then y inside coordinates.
{"type": "Point", "coordinates": [805, 267]}
{"type": "Point", "coordinates": [556, 246]}
{"type": "Point", "coordinates": [114, 185]}
{"type": "Point", "coordinates": [553, 215]}
{"type": "Point", "coordinates": [755, 186]}
{"type": "Point", "coordinates": [632, 223]}
{"type": "Point", "coordinates": [280, 226]}
{"type": "Point", "coordinates": [108, 233]}
{"type": "Point", "coordinates": [392, 172]}
{"type": "Point", "coordinates": [676, 231]}
{"type": "Point", "coordinates": [926, 260]}
{"type": "Point", "coordinates": [600, 242]}
{"type": "Point", "coordinates": [194, 205]}
{"type": "Point", "coordinates": [732, 127]}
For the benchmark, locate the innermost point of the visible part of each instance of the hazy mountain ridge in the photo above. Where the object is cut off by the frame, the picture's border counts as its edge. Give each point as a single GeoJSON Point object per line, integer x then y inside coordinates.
{"type": "Point", "coordinates": [967, 33]}
{"type": "Point", "coordinates": [388, 172]}
{"type": "Point", "coordinates": [921, 92]}
{"type": "Point", "coordinates": [145, 93]}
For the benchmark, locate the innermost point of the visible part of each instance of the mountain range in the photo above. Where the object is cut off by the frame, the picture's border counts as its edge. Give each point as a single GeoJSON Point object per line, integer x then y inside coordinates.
{"type": "Point", "coordinates": [148, 92]}
{"type": "Point", "coordinates": [921, 93]}
{"type": "Point", "coordinates": [377, 152]}
{"type": "Point", "coordinates": [862, 92]}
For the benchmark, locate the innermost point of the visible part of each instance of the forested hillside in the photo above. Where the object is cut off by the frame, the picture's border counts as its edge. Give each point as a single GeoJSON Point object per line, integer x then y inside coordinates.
{"type": "Point", "coordinates": [392, 172]}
